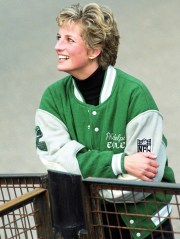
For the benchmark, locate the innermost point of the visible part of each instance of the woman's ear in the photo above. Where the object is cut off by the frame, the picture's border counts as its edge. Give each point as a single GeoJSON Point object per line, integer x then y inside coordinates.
{"type": "Point", "coordinates": [93, 53]}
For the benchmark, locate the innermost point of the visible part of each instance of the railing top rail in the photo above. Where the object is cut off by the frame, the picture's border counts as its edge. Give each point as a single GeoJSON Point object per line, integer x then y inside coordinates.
{"type": "Point", "coordinates": [17, 202]}
{"type": "Point", "coordinates": [116, 182]}
{"type": "Point", "coordinates": [23, 175]}
{"type": "Point", "coordinates": [20, 179]}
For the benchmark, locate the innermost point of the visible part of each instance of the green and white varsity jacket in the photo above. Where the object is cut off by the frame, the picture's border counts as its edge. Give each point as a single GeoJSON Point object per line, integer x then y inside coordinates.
{"type": "Point", "coordinates": [89, 140]}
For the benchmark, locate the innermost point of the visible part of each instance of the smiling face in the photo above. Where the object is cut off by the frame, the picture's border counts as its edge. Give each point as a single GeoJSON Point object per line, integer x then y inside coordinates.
{"type": "Point", "coordinates": [73, 54]}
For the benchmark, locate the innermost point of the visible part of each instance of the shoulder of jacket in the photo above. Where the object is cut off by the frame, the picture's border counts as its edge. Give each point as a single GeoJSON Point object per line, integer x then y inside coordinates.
{"type": "Point", "coordinates": [60, 83]}
{"type": "Point", "coordinates": [129, 79]}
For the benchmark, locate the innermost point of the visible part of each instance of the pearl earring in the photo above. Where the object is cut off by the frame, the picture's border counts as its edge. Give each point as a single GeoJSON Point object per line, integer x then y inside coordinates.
{"type": "Point", "coordinates": [91, 57]}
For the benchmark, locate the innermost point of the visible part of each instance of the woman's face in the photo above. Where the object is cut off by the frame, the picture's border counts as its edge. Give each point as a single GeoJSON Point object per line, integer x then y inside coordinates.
{"type": "Point", "coordinates": [73, 55]}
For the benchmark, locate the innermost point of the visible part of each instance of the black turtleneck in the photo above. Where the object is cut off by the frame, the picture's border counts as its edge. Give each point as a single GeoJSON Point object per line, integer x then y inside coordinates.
{"type": "Point", "coordinates": [90, 88]}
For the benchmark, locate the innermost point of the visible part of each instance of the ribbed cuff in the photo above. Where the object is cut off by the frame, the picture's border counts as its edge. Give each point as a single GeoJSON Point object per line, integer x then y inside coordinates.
{"type": "Point", "coordinates": [122, 163]}
{"type": "Point", "coordinates": [116, 164]}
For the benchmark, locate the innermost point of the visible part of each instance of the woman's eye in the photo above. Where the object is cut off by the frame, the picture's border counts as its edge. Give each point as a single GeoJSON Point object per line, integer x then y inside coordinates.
{"type": "Point", "coordinates": [58, 37]}
{"type": "Point", "coordinates": [70, 40]}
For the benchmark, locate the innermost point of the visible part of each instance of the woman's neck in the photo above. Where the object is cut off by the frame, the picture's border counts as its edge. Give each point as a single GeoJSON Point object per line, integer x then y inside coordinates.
{"type": "Point", "coordinates": [90, 87]}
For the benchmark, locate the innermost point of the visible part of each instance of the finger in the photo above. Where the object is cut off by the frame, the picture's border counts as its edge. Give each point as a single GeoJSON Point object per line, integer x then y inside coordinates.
{"type": "Point", "coordinates": [149, 155]}
{"type": "Point", "coordinates": [147, 179]}
{"type": "Point", "coordinates": [154, 163]}
{"type": "Point", "coordinates": [151, 175]}
{"type": "Point", "coordinates": [153, 170]}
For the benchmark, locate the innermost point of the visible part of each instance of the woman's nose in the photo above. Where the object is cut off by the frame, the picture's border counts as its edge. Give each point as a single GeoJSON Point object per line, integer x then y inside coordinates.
{"type": "Point", "coordinates": [59, 45]}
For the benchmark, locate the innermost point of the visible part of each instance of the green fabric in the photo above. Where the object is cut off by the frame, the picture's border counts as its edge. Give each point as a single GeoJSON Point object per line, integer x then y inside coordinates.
{"type": "Point", "coordinates": [150, 206]}
{"type": "Point", "coordinates": [86, 161]}
{"type": "Point", "coordinates": [104, 133]}
{"type": "Point", "coordinates": [129, 98]}
{"type": "Point", "coordinates": [146, 207]}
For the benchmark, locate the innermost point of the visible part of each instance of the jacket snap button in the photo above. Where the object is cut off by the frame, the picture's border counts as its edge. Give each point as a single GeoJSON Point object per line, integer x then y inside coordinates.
{"type": "Point", "coordinates": [138, 234]}
{"type": "Point", "coordinates": [96, 129]}
{"type": "Point", "coordinates": [94, 112]}
{"type": "Point", "coordinates": [131, 221]}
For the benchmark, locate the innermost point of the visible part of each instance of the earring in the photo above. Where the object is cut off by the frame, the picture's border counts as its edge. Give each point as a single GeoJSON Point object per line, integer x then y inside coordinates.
{"type": "Point", "coordinates": [91, 57]}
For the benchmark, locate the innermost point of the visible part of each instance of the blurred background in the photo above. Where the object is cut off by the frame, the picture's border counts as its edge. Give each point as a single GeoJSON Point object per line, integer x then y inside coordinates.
{"type": "Point", "coordinates": [149, 50]}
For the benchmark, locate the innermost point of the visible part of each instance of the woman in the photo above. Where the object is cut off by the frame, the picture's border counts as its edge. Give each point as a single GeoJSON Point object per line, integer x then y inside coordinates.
{"type": "Point", "coordinates": [99, 121]}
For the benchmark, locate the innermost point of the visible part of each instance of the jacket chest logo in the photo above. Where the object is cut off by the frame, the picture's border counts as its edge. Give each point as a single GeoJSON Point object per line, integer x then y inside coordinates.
{"type": "Point", "coordinates": [115, 141]}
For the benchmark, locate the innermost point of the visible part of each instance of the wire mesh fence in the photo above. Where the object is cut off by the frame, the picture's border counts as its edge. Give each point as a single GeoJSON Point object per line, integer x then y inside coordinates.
{"type": "Point", "coordinates": [14, 185]}
{"type": "Point", "coordinates": [24, 207]}
{"type": "Point", "coordinates": [112, 209]}
{"type": "Point", "coordinates": [118, 209]}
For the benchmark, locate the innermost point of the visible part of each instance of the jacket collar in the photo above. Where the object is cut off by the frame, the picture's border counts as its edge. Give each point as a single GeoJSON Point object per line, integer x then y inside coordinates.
{"type": "Point", "coordinates": [106, 90]}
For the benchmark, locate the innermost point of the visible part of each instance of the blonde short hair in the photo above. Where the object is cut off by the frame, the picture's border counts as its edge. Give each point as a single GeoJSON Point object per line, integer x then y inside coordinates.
{"type": "Point", "coordinates": [99, 29]}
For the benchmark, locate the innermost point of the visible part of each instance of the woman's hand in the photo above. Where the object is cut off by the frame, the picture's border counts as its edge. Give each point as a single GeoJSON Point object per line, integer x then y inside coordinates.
{"type": "Point", "coordinates": [142, 165]}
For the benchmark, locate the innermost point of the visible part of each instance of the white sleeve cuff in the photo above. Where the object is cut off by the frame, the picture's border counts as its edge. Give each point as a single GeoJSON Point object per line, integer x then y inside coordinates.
{"type": "Point", "coordinates": [116, 164]}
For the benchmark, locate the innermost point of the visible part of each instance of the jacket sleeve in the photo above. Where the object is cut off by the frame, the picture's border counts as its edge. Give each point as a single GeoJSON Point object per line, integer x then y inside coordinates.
{"type": "Point", "coordinates": [54, 146]}
{"type": "Point", "coordinates": [144, 134]}
{"type": "Point", "coordinates": [58, 151]}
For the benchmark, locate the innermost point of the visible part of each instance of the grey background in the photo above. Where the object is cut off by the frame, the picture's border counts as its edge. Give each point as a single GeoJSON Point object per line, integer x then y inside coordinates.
{"type": "Point", "coordinates": [149, 50]}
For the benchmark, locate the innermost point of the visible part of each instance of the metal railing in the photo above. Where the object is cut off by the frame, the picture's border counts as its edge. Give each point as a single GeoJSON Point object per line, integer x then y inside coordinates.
{"type": "Point", "coordinates": [24, 207]}
{"type": "Point", "coordinates": [14, 185]}
{"type": "Point", "coordinates": [25, 212]}
{"type": "Point", "coordinates": [106, 201]}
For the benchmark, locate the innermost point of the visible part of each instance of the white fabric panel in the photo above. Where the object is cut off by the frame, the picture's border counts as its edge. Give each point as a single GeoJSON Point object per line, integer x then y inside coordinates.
{"type": "Point", "coordinates": [108, 84]}
{"type": "Point", "coordinates": [148, 125]}
{"type": "Point", "coordinates": [61, 154]}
